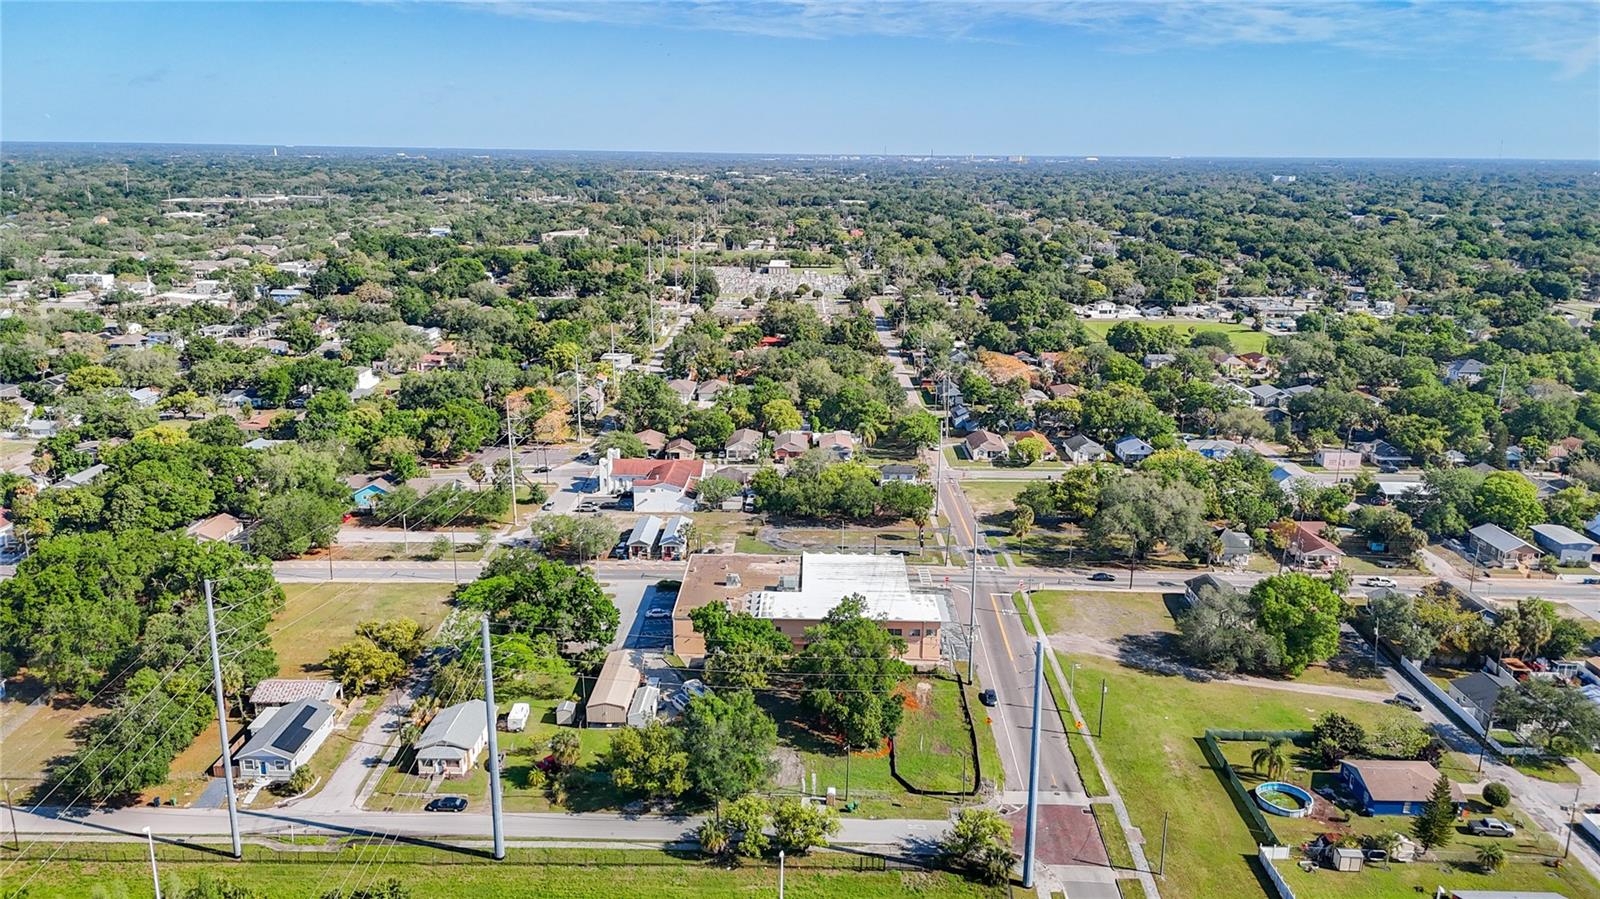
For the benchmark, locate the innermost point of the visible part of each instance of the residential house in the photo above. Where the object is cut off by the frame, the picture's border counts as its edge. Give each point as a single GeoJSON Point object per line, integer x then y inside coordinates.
{"type": "Point", "coordinates": [1337, 460]}
{"type": "Point", "coordinates": [1392, 787]}
{"type": "Point", "coordinates": [706, 394]}
{"type": "Point", "coordinates": [1080, 449]}
{"type": "Point", "coordinates": [743, 445]}
{"type": "Point", "coordinates": [791, 445]}
{"type": "Point", "coordinates": [1213, 449]}
{"type": "Point", "coordinates": [839, 445]}
{"type": "Point", "coordinates": [1496, 547]}
{"type": "Point", "coordinates": [1382, 452]}
{"type": "Point", "coordinates": [83, 478]}
{"type": "Point", "coordinates": [985, 446]}
{"type": "Point", "coordinates": [674, 541]}
{"type": "Point", "coordinates": [452, 741]}
{"type": "Point", "coordinates": [684, 388]}
{"type": "Point", "coordinates": [1466, 372]}
{"type": "Point", "coordinates": [1568, 546]}
{"type": "Point", "coordinates": [678, 448]}
{"type": "Point", "coordinates": [365, 491]}
{"type": "Point", "coordinates": [654, 441]}
{"type": "Point", "coordinates": [367, 381]}
{"type": "Point", "coordinates": [8, 533]}
{"type": "Point", "coordinates": [612, 696]}
{"type": "Point", "coordinates": [1193, 586]}
{"type": "Point", "coordinates": [619, 362]}
{"type": "Point", "coordinates": [1049, 448]}
{"type": "Point", "coordinates": [899, 471]}
{"type": "Point", "coordinates": [1265, 396]}
{"type": "Point", "coordinates": [1236, 547]}
{"type": "Point", "coordinates": [1592, 528]}
{"type": "Point", "coordinates": [1154, 361]}
{"type": "Point", "coordinates": [1132, 450]}
{"type": "Point", "coordinates": [285, 742]}
{"type": "Point", "coordinates": [1289, 476]}
{"type": "Point", "coordinates": [273, 692]}
{"type": "Point", "coordinates": [1304, 545]}
{"type": "Point", "coordinates": [219, 528]}
{"type": "Point", "coordinates": [642, 539]}
{"type": "Point", "coordinates": [1478, 693]}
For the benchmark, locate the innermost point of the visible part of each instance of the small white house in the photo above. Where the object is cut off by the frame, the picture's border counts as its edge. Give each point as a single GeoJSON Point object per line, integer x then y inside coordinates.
{"type": "Point", "coordinates": [517, 718]}
{"type": "Point", "coordinates": [451, 742]}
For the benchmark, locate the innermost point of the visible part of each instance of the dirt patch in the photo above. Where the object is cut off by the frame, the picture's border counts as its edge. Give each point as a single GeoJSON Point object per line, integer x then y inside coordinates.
{"type": "Point", "coordinates": [790, 769]}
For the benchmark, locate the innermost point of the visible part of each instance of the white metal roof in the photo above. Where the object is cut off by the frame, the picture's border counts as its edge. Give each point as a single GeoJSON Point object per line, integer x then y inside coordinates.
{"type": "Point", "coordinates": [827, 578]}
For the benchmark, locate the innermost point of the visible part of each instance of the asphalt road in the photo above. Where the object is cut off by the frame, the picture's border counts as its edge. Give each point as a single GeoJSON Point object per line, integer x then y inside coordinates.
{"type": "Point", "coordinates": [1006, 661]}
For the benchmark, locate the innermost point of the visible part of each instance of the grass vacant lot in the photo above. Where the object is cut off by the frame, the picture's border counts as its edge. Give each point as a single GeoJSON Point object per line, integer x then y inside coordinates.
{"type": "Point", "coordinates": [318, 617]}
{"type": "Point", "coordinates": [44, 733]}
{"type": "Point", "coordinates": [1245, 339]}
{"type": "Point", "coordinates": [1104, 615]}
{"type": "Point", "coordinates": [931, 747]}
{"type": "Point", "coordinates": [1153, 723]}
{"type": "Point", "coordinates": [119, 870]}
{"type": "Point", "coordinates": [991, 497]}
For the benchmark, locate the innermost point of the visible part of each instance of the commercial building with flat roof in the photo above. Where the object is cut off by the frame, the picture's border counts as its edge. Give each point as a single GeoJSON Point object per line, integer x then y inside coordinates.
{"type": "Point", "coordinates": [798, 593]}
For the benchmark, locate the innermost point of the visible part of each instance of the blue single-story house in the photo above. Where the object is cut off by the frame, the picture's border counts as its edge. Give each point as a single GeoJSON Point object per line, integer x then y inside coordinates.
{"type": "Point", "coordinates": [1132, 450]}
{"type": "Point", "coordinates": [1389, 787]}
{"type": "Point", "coordinates": [1568, 546]}
{"type": "Point", "coordinates": [365, 492]}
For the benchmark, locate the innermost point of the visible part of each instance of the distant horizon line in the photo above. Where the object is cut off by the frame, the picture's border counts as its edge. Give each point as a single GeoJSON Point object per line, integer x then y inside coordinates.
{"type": "Point", "coordinates": [755, 154]}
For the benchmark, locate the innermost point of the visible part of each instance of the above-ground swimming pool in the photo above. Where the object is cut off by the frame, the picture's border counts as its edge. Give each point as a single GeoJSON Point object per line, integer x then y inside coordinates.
{"type": "Point", "coordinates": [1283, 799]}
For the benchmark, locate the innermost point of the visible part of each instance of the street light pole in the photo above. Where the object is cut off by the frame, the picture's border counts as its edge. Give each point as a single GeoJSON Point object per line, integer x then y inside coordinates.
{"type": "Point", "coordinates": [155, 876]}
{"type": "Point", "coordinates": [780, 874]}
{"type": "Point", "coordinates": [222, 724]}
{"type": "Point", "coordinates": [1483, 745]}
{"type": "Point", "coordinates": [1031, 834]}
{"type": "Point", "coordinates": [1572, 817]}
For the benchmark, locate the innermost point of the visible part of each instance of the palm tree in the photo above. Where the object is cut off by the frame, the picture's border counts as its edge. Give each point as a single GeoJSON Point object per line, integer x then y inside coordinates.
{"type": "Point", "coordinates": [1491, 857]}
{"type": "Point", "coordinates": [1274, 757]}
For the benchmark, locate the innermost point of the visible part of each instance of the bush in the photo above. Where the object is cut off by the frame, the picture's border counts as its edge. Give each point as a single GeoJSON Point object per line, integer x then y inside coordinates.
{"type": "Point", "coordinates": [1498, 795]}
{"type": "Point", "coordinates": [298, 782]}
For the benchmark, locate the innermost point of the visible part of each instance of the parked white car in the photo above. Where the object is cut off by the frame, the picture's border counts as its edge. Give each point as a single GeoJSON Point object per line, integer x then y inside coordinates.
{"type": "Point", "coordinates": [1380, 581]}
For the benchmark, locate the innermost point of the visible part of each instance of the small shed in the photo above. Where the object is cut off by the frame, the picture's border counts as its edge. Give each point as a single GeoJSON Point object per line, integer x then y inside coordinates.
{"type": "Point", "coordinates": [517, 718]}
{"type": "Point", "coordinates": [567, 713]}
{"type": "Point", "coordinates": [1347, 859]}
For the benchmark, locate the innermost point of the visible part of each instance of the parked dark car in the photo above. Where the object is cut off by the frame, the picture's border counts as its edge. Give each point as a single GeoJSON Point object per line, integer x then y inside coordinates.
{"type": "Point", "coordinates": [989, 697]}
{"type": "Point", "coordinates": [447, 804]}
{"type": "Point", "coordinates": [1102, 576]}
{"type": "Point", "coordinates": [1407, 700]}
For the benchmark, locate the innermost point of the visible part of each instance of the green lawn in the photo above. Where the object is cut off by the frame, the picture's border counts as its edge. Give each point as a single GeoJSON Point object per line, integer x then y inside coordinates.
{"type": "Point", "coordinates": [1153, 724]}
{"type": "Point", "coordinates": [989, 497]}
{"type": "Point", "coordinates": [931, 746]}
{"type": "Point", "coordinates": [1102, 614]}
{"type": "Point", "coordinates": [318, 617]}
{"type": "Point", "coordinates": [1116, 841]}
{"type": "Point", "coordinates": [46, 734]}
{"type": "Point", "coordinates": [120, 869]}
{"type": "Point", "coordinates": [1245, 339]}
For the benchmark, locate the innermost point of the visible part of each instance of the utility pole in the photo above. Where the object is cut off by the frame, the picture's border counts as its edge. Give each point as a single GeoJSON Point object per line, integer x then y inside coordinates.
{"type": "Point", "coordinates": [577, 395]}
{"type": "Point", "coordinates": [11, 807]}
{"type": "Point", "coordinates": [1033, 766]}
{"type": "Point", "coordinates": [780, 874]}
{"type": "Point", "coordinates": [1483, 746]}
{"type": "Point", "coordinates": [155, 876]}
{"type": "Point", "coordinates": [494, 746]}
{"type": "Point", "coordinates": [1100, 729]}
{"type": "Point", "coordinates": [511, 461]}
{"type": "Point", "coordinates": [1161, 867]}
{"type": "Point", "coordinates": [972, 616]}
{"type": "Point", "coordinates": [222, 723]}
{"type": "Point", "coordinates": [1572, 817]}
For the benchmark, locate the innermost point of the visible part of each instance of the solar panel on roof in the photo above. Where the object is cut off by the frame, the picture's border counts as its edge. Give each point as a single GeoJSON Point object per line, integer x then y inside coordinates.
{"type": "Point", "coordinates": [294, 734]}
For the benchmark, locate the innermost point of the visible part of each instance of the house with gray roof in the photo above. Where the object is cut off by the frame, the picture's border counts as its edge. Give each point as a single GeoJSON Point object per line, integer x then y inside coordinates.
{"type": "Point", "coordinates": [1568, 546]}
{"type": "Point", "coordinates": [1132, 450]}
{"type": "Point", "coordinates": [283, 739]}
{"type": "Point", "coordinates": [1081, 449]}
{"type": "Point", "coordinates": [452, 741]}
{"type": "Point", "coordinates": [1493, 545]}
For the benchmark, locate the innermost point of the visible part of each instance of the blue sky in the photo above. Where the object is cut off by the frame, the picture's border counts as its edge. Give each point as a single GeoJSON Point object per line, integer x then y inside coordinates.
{"type": "Point", "coordinates": [1310, 78]}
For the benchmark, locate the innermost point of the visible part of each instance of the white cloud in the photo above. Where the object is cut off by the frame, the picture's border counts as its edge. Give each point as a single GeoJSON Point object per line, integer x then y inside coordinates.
{"type": "Point", "coordinates": [1562, 33]}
